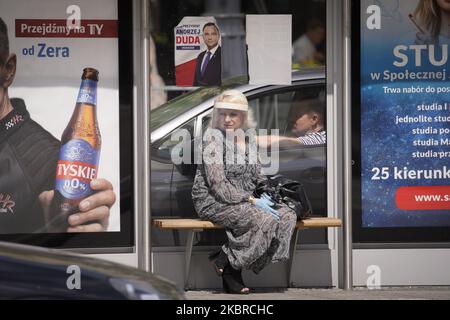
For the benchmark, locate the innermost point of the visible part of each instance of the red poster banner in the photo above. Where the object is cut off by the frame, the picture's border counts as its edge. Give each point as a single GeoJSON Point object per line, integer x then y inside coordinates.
{"type": "Point", "coordinates": [58, 28]}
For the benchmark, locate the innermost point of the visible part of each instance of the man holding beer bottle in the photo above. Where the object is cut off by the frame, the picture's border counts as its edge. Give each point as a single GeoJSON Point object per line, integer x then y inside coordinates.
{"type": "Point", "coordinates": [28, 157]}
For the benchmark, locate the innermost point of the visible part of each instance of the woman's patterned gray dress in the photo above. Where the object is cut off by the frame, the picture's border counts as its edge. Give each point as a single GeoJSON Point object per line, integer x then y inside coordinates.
{"type": "Point", "coordinates": [220, 194]}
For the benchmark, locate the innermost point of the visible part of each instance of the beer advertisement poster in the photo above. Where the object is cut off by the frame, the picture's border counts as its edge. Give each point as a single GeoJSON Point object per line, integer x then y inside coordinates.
{"type": "Point", "coordinates": [405, 114]}
{"type": "Point", "coordinates": [59, 150]}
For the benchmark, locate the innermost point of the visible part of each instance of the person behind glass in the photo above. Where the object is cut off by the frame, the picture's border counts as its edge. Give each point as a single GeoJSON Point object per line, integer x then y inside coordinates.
{"type": "Point", "coordinates": [158, 95]}
{"type": "Point", "coordinates": [208, 71]}
{"type": "Point", "coordinates": [308, 127]}
{"type": "Point", "coordinates": [305, 51]}
{"type": "Point", "coordinates": [432, 19]}
{"type": "Point", "coordinates": [258, 232]}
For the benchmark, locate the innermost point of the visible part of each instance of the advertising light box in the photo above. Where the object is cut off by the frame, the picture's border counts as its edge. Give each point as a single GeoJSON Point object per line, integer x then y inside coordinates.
{"type": "Point", "coordinates": [60, 151]}
{"type": "Point", "coordinates": [403, 90]}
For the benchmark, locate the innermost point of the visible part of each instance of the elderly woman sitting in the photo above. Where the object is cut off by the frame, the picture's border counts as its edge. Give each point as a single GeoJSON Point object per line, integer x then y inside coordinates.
{"type": "Point", "coordinates": [258, 233]}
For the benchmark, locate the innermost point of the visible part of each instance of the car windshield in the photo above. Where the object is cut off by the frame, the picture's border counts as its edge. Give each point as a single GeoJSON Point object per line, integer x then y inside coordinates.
{"type": "Point", "coordinates": [185, 102]}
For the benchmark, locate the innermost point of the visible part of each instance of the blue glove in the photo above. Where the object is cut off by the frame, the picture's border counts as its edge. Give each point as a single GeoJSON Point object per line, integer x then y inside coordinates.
{"type": "Point", "coordinates": [267, 197]}
{"type": "Point", "coordinates": [265, 203]}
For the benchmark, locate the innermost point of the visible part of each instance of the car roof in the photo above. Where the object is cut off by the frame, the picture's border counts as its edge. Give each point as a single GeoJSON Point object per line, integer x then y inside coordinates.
{"type": "Point", "coordinates": [178, 111]}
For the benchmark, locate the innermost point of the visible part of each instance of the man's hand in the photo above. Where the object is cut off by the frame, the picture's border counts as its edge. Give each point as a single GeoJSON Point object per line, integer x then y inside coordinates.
{"type": "Point", "coordinates": [94, 210]}
{"type": "Point", "coordinates": [319, 57]}
{"type": "Point", "coordinates": [275, 142]}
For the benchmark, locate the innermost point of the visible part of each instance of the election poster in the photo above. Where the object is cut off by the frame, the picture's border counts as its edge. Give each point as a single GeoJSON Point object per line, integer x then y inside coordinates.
{"type": "Point", "coordinates": [405, 113]}
{"type": "Point", "coordinates": [59, 122]}
{"type": "Point", "coordinates": [198, 52]}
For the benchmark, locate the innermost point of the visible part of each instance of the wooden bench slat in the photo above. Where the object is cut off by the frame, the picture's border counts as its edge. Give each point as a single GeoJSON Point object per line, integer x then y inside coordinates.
{"type": "Point", "coordinates": [201, 224]}
{"type": "Point", "coordinates": [319, 223]}
{"type": "Point", "coordinates": [184, 224]}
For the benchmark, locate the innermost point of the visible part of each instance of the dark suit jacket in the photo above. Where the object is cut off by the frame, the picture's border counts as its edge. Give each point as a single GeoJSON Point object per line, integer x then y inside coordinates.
{"type": "Point", "coordinates": [213, 72]}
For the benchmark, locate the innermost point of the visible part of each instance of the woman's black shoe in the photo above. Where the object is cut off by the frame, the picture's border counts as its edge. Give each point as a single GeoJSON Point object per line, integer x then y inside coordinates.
{"type": "Point", "coordinates": [219, 260]}
{"type": "Point", "coordinates": [232, 281]}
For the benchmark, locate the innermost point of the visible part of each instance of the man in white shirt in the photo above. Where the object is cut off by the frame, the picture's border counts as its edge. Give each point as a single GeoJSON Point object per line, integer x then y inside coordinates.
{"type": "Point", "coordinates": [308, 128]}
{"type": "Point", "coordinates": [304, 49]}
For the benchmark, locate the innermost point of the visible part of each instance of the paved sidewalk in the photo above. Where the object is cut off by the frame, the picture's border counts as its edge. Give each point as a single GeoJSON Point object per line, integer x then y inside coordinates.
{"type": "Point", "coordinates": [391, 293]}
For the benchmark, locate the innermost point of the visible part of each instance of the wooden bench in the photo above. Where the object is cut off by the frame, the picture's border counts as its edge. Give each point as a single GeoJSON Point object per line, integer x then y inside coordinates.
{"type": "Point", "coordinates": [196, 225]}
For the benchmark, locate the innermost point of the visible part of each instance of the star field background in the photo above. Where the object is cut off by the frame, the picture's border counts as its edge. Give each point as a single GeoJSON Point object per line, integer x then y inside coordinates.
{"type": "Point", "coordinates": [385, 144]}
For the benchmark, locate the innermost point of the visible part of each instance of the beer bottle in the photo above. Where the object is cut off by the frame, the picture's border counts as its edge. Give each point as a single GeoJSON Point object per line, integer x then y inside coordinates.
{"type": "Point", "coordinates": [78, 156]}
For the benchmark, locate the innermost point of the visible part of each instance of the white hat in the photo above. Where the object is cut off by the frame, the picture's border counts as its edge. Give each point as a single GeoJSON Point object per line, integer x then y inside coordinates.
{"type": "Point", "coordinates": [231, 99]}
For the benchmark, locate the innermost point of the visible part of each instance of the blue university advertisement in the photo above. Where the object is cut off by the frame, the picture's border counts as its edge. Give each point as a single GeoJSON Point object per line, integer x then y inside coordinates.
{"type": "Point", "coordinates": [405, 113]}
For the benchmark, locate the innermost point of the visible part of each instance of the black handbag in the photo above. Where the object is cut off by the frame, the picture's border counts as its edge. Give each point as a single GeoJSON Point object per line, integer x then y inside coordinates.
{"type": "Point", "coordinates": [290, 192]}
